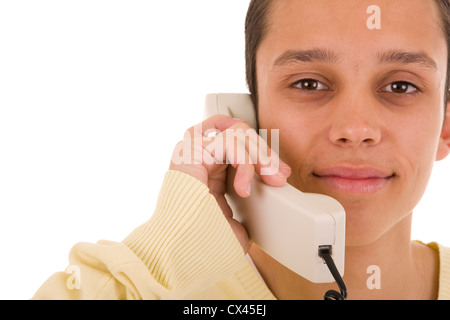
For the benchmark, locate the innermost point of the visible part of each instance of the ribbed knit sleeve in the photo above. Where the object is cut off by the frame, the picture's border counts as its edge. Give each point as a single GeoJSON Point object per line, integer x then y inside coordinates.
{"type": "Point", "coordinates": [444, 270]}
{"type": "Point", "coordinates": [187, 245]}
{"type": "Point", "coordinates": [186, 250]}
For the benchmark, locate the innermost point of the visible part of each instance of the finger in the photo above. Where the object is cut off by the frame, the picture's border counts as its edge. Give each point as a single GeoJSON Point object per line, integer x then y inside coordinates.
{"type": "Point", "coordinates": [239, 146]}
{"type": "Point", "coordinates": [257, 152]}
{"type": "Point", "coordinates": [241, 233]}
{"type": "Point", "coordinates": [197, 137]}
{"type": "Point", "coordinates": [243, 179]}
{"type": "Point", "coordinates": [216, 123]}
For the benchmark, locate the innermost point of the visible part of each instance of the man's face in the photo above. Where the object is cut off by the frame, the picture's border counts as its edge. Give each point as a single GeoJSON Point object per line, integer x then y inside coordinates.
{"type": "Point", "coordinates": [360, 111]}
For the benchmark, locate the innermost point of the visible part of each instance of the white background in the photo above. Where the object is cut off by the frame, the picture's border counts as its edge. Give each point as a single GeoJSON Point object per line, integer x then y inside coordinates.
{"type": "Point", "coordinates": [94, 95]}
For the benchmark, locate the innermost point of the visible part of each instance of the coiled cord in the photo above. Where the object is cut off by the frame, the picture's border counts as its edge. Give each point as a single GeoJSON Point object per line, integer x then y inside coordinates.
{"type": "Point", "coordinates": [325, 254]}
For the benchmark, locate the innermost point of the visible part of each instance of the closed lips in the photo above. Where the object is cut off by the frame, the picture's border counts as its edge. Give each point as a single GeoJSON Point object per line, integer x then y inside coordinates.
{"type": "Point", "coordinates": [354, 180]}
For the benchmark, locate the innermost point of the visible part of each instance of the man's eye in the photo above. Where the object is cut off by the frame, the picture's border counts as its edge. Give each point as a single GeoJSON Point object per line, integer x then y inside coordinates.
{"type": "Point", "coordinates": [310, 85]}
{"type": "Point", "coordinates": [400, 87]}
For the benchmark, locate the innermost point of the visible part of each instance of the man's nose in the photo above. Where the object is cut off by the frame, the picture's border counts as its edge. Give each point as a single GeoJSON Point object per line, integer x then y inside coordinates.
{"type": "Point", "coordinates": [355, 124]}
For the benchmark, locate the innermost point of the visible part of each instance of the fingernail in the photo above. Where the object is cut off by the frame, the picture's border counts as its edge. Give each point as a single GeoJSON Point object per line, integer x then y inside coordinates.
{"type": "Point", "coordinates": [281, 175]}
{"type": "Point", "coordinates": [249, 189]}
{"type": "Point", "coordinates": [283, 164]}
{"type": "Point", "coordinates": [284, 171]}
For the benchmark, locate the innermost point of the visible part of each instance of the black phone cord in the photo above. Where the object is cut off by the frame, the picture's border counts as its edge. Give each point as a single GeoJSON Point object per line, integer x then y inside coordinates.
{"type": "Point", "coordinates": [325, 254]}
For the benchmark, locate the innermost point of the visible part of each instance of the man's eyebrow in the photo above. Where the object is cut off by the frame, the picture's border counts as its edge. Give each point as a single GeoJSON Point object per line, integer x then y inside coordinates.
{"type": "Point", "coordinates": [406, 57]}
{"type": "Point", "coordinates": [319, 55]}
{"type": "Point", "coordinates": [323, 55]}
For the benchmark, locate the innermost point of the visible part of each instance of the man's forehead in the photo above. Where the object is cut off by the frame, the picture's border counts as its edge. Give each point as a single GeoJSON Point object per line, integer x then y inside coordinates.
{"type": "Point", "coordinates": [352, 15]}
{"type": "Point", "coordinates": [311, 31]}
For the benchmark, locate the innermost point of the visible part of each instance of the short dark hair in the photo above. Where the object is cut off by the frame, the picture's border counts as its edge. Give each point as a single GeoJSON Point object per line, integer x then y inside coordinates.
{"type": "Point", "coordinates": [256, 27]}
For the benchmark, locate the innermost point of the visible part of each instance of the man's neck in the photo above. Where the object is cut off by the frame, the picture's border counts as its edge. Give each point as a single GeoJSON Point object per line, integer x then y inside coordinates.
{"type": "Point", "coordinates": [392, 267]}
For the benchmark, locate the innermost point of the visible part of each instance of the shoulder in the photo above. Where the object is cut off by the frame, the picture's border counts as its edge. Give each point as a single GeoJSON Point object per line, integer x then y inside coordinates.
{"type": "Point", "coordinates": [444, 270]}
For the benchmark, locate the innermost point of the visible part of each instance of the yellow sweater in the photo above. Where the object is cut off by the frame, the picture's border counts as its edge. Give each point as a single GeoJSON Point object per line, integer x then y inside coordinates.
{"type": "Point", "coordinates": [185, 251]}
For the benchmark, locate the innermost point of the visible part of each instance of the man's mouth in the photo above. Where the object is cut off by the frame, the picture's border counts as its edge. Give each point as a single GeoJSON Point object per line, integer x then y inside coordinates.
{"type": "Point", "coordinates": [358, 180]}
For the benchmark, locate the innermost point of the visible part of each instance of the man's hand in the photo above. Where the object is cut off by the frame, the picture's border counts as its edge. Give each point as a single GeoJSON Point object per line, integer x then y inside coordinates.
{"type": "Point", "coordinates": [209, 147]}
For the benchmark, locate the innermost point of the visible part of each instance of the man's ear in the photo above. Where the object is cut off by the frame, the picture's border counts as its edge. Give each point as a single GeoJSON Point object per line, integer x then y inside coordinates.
{"type": "Point", "coordinates": [444, 141]}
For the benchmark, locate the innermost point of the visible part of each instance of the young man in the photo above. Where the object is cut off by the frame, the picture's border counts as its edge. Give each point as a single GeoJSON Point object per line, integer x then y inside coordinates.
{"type": "Point", "coordinates": [361, 112]}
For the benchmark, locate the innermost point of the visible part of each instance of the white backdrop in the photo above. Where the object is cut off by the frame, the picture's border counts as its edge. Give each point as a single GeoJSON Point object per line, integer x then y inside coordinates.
{"type": "Point", "coordinates": [94, 95]}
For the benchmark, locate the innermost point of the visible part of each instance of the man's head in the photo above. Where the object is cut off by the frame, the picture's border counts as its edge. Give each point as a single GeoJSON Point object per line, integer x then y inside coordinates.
{"type": "Point", "coordinates": [360, 111]}
{"type": "Point", "coordinates": [257, 25]}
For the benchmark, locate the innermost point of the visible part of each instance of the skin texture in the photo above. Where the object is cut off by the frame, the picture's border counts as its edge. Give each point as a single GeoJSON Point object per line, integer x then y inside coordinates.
{"type": "Point", "coordinates": [359, 125]}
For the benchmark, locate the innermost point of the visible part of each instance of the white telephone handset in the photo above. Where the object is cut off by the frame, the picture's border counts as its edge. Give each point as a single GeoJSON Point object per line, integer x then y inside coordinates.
{"type": "Point", "coordinates": [289, 225]}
